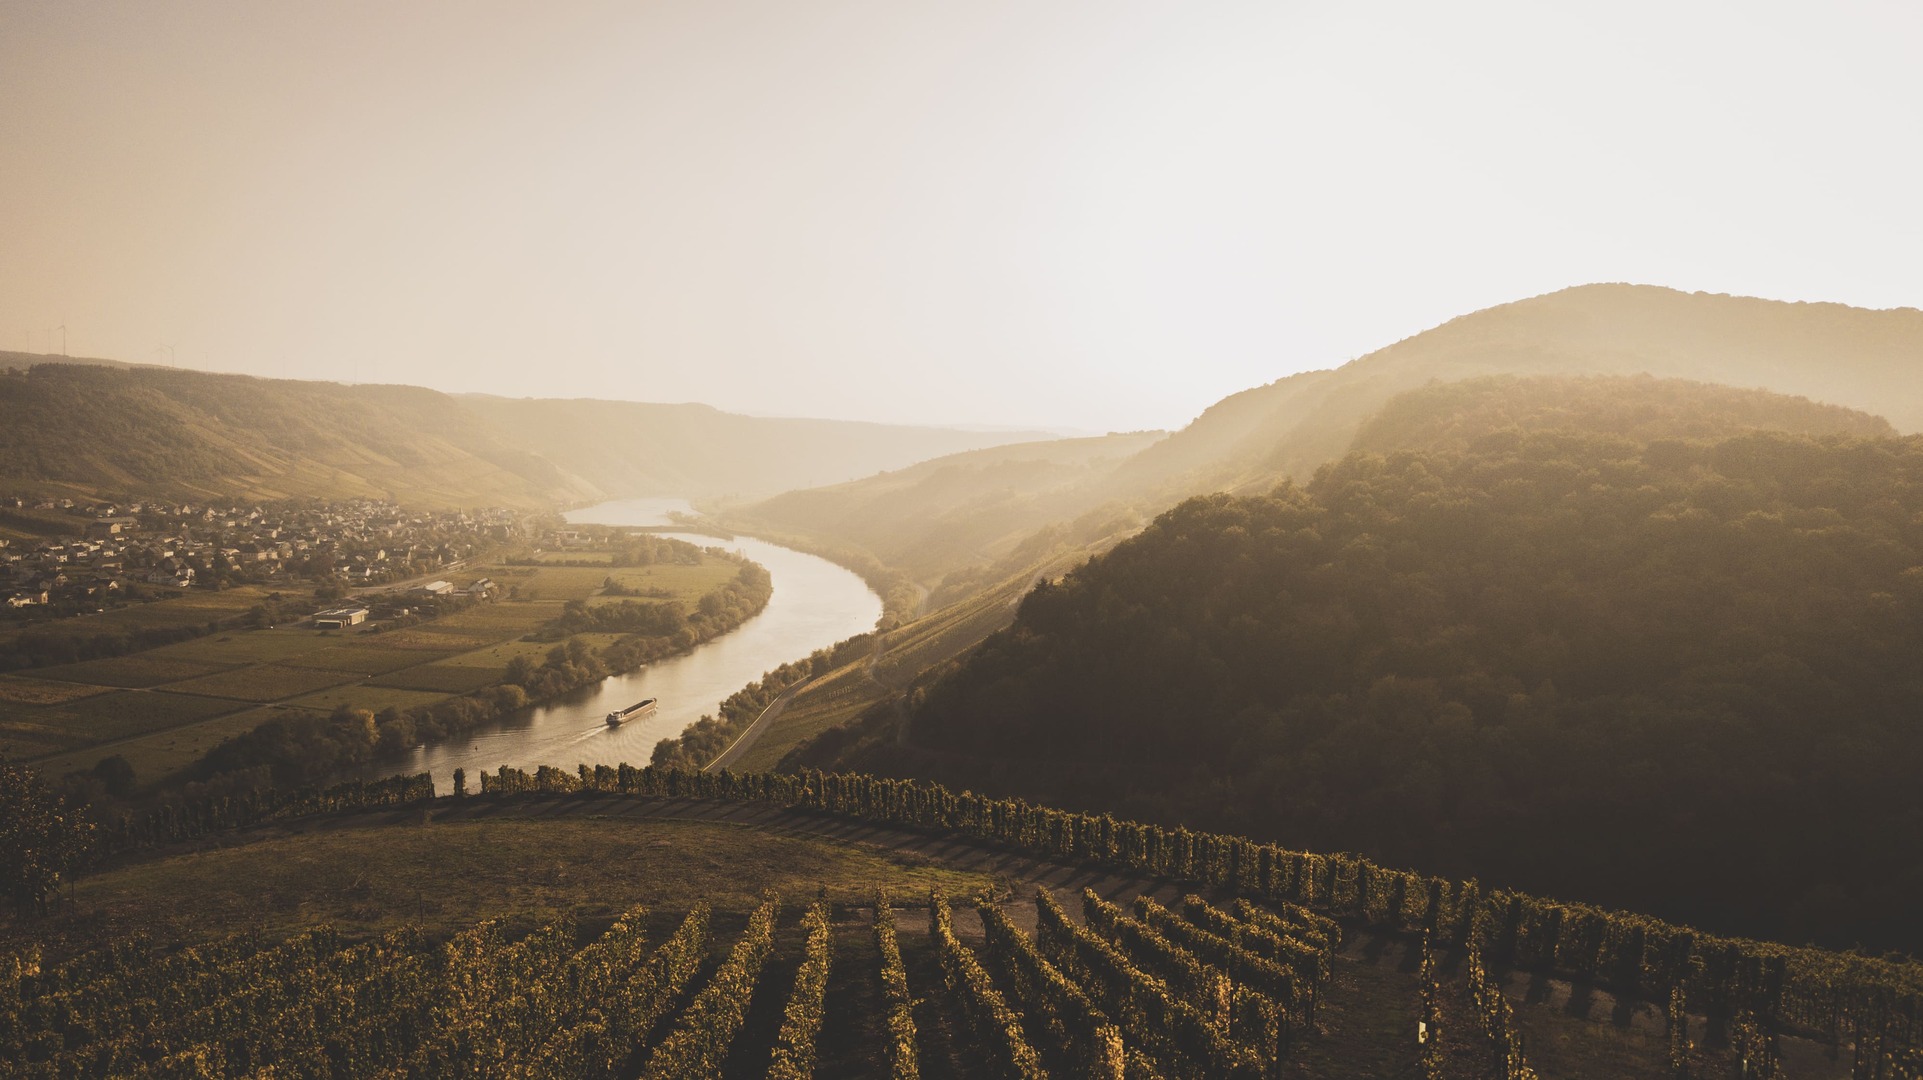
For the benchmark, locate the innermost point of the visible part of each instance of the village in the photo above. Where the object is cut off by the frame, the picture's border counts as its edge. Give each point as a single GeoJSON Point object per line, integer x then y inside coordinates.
{"type": "Point", "coordinates": [90, 557]}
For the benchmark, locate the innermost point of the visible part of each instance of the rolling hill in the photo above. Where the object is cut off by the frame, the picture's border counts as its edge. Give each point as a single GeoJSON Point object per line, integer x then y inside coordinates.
{"type": "Point", "coordinates": [91, 429]}
{"type": "Point", "coordinates": [959, 508]}
{"type": "Point", "coordinates": [161, 432]}
{"type": "Point", "coordinates": [639, 922]}
{"type": "Point", "coordinates": [697, 451]}
{"type": "Point", "coordinates": [1248, 442]}
{"type": "Point", "coordinates": [1677, 674]}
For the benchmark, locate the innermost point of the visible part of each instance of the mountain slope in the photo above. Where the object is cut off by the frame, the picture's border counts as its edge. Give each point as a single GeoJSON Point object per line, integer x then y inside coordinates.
{"type": "Point", "coordinates": [1679, 675]}
{"type": "Point", "coordinates": [958, 508]}
{"type": "Point", "coordinates": [1458, 415]}
{"type": "Point", "coordinates": [1249, 441]}
{"type": "Point", "coordinates": [194, 435]}
{"type": "Point", "coordinates": [697, 451]}
{"type": "Point", "coordinates": [91, 428]}
{"type": "Point", "coordinates": [1827, 352]}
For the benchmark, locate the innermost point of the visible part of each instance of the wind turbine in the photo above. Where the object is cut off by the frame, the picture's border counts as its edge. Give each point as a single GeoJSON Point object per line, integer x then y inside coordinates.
{"type": "Point", "coordinates": [169, 350]}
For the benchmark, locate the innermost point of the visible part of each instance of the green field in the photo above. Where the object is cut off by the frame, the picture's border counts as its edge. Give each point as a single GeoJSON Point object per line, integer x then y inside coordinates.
{"type": "Point", "coordinates": [138, 671]}
{"type": "Point", "coordinates": [31, 731]}
{"type": "Point", "coordinates": [440, 678]}
{"type": "Point", "coordinates": [496, 657]}
{"type": "Point", "coordinates": [190, 609]}
{"type": "Point", "coordinates": [246, 646]}
{"type": "Point", "coordinates": [21, 690]}
{"type": "Point", "coordinates": [361, 695]}
{"type": "Point", "coordinates": [423, 639]}
{"type": "Point", "coordinates": [262, 682]}
{"type": "Point", "coordinates": [365, 656]}
{"type": "Point", "coordinates": [687, 583]}
{"type": "Point", "coordinates": [548, 557]}
{"type": "Point", "coordinates": [209, 689]}
{"type": "Point", "coordinates": [24, 737]}
{"type": "Point", "coordinates": [157, 754]}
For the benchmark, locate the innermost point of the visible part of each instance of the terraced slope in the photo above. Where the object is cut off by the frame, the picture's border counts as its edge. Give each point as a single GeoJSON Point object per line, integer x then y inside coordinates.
{"type": "Point", "coordinates": [593, 934]}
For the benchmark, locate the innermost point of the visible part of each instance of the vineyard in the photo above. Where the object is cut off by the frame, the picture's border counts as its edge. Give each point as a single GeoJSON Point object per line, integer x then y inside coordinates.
{"type": "Point", "coordinates": [1142, 952]}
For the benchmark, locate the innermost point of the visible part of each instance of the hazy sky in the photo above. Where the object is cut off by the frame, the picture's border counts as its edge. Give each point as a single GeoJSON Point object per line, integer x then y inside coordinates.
{"type": "Point", "coordinates": [1100, 215]}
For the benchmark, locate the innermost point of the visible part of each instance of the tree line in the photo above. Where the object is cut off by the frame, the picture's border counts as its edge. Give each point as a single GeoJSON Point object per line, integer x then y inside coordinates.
{"type": "Point", "coordinates": [299, 747]}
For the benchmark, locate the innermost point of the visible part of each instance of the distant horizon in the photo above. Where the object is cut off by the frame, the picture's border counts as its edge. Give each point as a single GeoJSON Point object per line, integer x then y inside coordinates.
{"type": "Point", "coordinates": [1064, 431]}
{"type": "Point", "coordinates": [1043, 215]}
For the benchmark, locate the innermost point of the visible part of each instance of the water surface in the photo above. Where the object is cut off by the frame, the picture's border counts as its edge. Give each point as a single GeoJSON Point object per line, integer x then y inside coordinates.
{"type": "Point", "coordinates": [815, 604]}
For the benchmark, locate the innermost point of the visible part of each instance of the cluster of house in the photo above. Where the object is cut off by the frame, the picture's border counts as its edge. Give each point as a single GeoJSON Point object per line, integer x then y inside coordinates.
{"type": "Point", "coordinates": [107, 547]}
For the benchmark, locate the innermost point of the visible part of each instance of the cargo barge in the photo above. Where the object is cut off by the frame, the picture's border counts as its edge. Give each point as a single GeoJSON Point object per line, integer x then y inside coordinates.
{"type": "Point", "coordinates": [641, 708]}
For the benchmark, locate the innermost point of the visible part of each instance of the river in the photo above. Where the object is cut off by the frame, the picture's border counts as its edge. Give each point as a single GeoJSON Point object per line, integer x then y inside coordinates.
{"type": "Point", "coordinates": [815, 604]}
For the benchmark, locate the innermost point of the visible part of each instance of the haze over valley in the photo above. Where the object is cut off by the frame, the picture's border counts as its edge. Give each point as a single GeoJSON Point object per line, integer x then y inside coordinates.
{"type": "Point", "coordinates": [1049, 540]}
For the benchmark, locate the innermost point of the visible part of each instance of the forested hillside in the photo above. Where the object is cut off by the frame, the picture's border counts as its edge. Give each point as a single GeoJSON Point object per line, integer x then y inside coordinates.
{"type": "Point", "coordinates": [1678, 675]}
{"type": "Point", "coordinates": [1830, 353]}
{"type": "Point", "coordinates": [1456, 415]}
{"type": "Point", "coordinates": [193, 435]}
{"type": "Point", "coordinates": [93, 430]}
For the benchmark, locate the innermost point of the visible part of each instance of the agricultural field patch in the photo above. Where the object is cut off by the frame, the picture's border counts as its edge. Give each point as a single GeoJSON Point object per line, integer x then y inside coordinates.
{"type": "Point", "coordinates": [246, 646]}
{"type": "Point", "coordinates": [440, 678]}
{"type": "Point", "coordinates": [196, 606]}
{"type": "Point", "coordinates": [138, 671]}
{"type": "Point", "coordinates": [192, 610]}
{"type": "Point", "coordinates": [506, 619]}
{"type": "Point", "coordinates": [685, 583]}
{"type": "Point", "coordinates": [126, 713]}
{"type": "Point", "coordinates": [550, 557]}
{"type": "Point", "coordinates": [421, 638]}
{"type": "Point", "coordinates": [362, 695]}
{"type": "Point", "coordinates": [23, 742]}
{"type": "Point", "coordinates": [261, 682]}
{"type": "Point", "coordinates": [21, 690]}
{"type": "Point", "coordinates": [154, 756]}
{"type": "Point", "coordinates": [495, 657]}
{"type": "Point", "coordinates": [370, 657]}
{"type": "Point", "coordinates": [563, 582]}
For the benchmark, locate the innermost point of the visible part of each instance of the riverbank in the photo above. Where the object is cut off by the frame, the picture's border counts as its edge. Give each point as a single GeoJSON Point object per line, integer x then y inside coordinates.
{"type": "Point", "coordinates": [816, 604]}
{"type": "Point", "coordinates": [307, 749]}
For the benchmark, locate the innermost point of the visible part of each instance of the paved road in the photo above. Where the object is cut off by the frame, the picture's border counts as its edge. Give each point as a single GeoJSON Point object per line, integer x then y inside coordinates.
{"type": "Point", "coordinates": [748, 738]}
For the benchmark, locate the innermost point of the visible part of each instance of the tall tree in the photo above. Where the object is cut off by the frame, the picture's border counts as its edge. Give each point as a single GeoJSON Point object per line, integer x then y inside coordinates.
{"type": "Point", "coordinates": [40, 838]}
